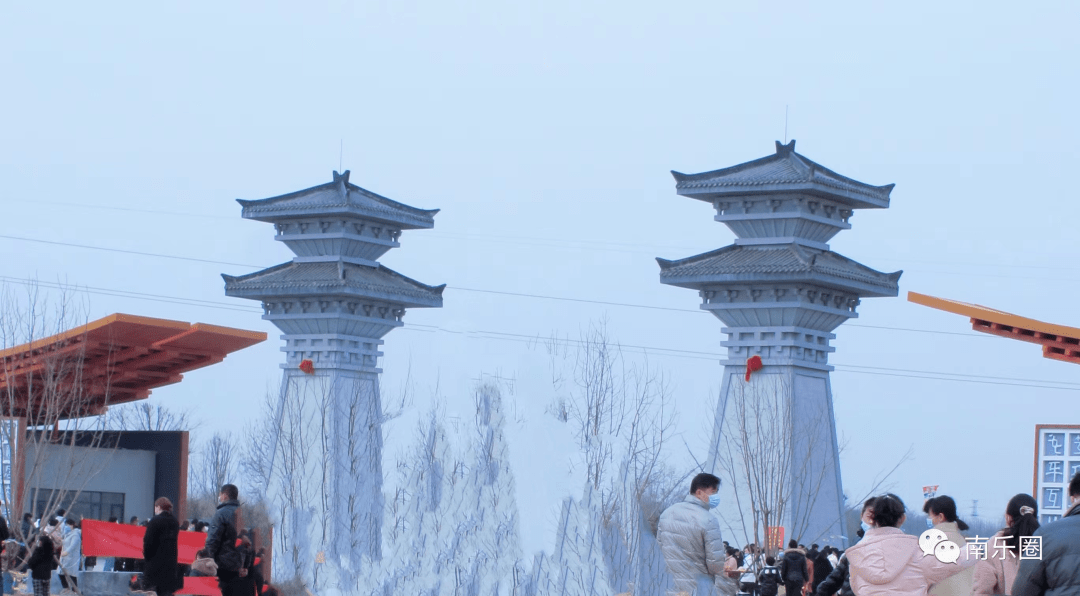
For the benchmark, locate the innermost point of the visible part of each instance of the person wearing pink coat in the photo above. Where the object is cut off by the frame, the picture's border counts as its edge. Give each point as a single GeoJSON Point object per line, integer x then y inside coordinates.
{"type": "Point", "coordinates": [996, 574]}
{"type": "Point", "coordinates": [888, 562]}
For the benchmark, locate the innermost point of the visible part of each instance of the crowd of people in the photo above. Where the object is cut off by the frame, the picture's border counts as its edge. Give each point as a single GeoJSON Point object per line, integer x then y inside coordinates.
{"type": "Point", "coordinates": [56, 545]}
{"type": "Point", "coordinates": [885, 561]}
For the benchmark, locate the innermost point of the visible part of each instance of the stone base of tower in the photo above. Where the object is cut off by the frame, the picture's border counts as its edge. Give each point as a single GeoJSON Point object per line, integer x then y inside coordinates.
{"type": "Point", "coordinates": [774, 439]}
{"type": "Point", "coordinates": [325, 488]}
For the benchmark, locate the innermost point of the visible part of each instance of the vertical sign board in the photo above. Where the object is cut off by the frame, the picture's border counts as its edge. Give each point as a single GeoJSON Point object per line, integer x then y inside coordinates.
{"type": "Point", "coordinates": [774, 539]}
{"type": "Point", "coordinates": [9, 428]}
{"type": "Point", "coordinates": [1057, 460]}
{"type": "Point", "coordinates": [929, 492]}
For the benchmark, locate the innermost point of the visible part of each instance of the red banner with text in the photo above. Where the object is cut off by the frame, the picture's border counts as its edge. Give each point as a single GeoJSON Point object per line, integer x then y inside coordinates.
{"type": "Point", "coordinates": [774, 538]}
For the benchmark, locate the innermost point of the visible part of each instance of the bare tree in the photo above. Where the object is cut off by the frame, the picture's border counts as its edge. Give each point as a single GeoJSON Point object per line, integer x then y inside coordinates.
{"type": "Point", "coordinates": [217, 464]}
{"type": "Point", "coordinates": [756, 457]}
{"type": "Point", "coordinates": [146, 416]}
{"type": "Point", "coordinates": [51, 436]}
{"type": "Point", "coordinates": [777, 457]}
{"type": "Point", "coordinates": [256, 452]}
{"type": "Point", "coordinates": [325, 477]}
{"type": "Point", "coordinates": [621, 412]}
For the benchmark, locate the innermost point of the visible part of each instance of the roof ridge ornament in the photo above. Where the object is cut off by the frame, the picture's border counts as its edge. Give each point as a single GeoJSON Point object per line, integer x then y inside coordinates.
{"type": "Point", "coordinates": [788, 149]}
{"type": "Point", "coordinates": [342, 182]}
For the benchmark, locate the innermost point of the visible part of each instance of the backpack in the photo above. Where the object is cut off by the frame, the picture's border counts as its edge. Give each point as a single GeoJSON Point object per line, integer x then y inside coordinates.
{"type": "Point", "coordinates": [769, 578]}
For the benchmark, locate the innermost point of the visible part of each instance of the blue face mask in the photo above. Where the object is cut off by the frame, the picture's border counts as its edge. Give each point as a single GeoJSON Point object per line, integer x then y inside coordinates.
{"type": "Point", "coordinates": [865, 526]}
{"type": "Point", "coordinates": [714, 501]}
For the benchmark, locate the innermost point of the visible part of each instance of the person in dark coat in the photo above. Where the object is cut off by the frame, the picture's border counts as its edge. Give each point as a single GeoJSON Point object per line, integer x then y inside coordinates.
{"type": "Point", "coordinates": [42, 561]}
{"type": "Point", "coordinates": [837, 582]}
{"type": "Point", "coordinates": [257, 570]}
{"type": "Point", "coordinates": [246, 584]}
{"type": "Point", "coordinates": [769, 578]}
{"type": "Point", "coordinates": [839, 579]}
{"type": "Point", "coordinates": [1056, 571]}
{"type": "Point", "coordinates": [794, 569]}
{"type": "Point", "coordinates": [822, 566]}
{"type": "Point", "coordinates": [160, 570]}
{"type": "Point", "coordinates": [221, 540]}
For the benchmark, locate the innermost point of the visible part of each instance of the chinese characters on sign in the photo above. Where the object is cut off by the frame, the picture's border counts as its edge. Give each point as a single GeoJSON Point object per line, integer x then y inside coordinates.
{"type": "Point", "coordinates": [1057, 460]}
{"type": "Point", "coordinates": [774, 538]}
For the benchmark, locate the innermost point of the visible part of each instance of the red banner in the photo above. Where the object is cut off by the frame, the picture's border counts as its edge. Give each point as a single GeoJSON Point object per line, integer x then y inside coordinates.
{"type": "Point", "coordinates": [774, 538]}
{"type": "Point", "coordinates": [104, 539]}
{"type": "Point", "coordinates": [200, 586]}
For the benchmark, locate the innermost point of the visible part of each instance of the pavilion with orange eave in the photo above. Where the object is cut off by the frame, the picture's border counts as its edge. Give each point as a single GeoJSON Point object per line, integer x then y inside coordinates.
{"type": "Point", "coordinates": [1056, 456]}
{"type": "Point", "coordinates": [114, 360]}
{"type": "Point", "coordinates": [1059, 342]}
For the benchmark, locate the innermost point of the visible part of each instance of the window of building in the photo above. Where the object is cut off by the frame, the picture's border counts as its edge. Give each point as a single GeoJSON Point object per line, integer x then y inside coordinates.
{"type": "Point", "coordinates": [89, 504]}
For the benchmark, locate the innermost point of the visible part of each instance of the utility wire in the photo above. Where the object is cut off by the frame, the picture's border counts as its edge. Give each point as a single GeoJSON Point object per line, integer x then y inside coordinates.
{"type": "Point", "coordinates": [866, 372]}
{"type": "Point", "coordinates": [459, 288]}
{"type": "Point", "coordinates": [129, 252]}
{"type": "Point", "coordinates": [562, 242]}
{"type": "Point", "coordinates": [537, 339]}
{"type": "Point", "coordinates": [939, 376]}
{"type": "Point", "coordinates": [136, 295]}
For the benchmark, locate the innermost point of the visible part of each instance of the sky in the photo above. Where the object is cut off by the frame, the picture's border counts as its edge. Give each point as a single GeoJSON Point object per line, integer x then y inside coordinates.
{"type": "Point", "coordinates": [545, 133]}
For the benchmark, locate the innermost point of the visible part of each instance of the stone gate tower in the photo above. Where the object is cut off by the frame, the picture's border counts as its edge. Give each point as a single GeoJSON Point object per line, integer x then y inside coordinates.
{"type": "Point", "coordinates": [334, 303]}
{"type": "Point", "coordinates": [780, 293]}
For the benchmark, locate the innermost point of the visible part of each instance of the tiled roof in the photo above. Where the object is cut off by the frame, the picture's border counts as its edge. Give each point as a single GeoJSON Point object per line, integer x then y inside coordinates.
{"type": "Point", "coordinates": [786, 170]}
{"type": "Point", "coordinates": [791, 261]}
{"type": "Point", "coordinates": [326, 278]}
{"type": "Point", "coordinates": [335, 197]}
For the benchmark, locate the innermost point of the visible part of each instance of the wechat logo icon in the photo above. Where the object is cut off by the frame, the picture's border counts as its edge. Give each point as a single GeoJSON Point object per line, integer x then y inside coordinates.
{"type": "Point", "coordinates": [934, 542]}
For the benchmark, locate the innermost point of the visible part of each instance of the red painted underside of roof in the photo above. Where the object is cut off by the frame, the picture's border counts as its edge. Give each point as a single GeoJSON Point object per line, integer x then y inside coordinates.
{"type": "Point", "coordinates": [1059, 342]}
{"type": "Point", "coordinates": [1057, 347]}
{"type": "Point", "coordinates": [114, 360]}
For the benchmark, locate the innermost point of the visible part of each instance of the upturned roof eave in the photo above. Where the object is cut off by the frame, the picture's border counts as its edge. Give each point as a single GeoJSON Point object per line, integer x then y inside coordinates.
{"type": "Point", "coordinates": [853, 199]}
{"type": "Point", "coordinates": [249, 286]}
{"type": "Point", "coordinates": [862, 288]}
{"type": "Point", "coordinates": [271, 215]}
{"type": "Point", "coordinates": [340, 186]}
{"type": "Point", "coordinates": [816, 176]}
{"type": "Point", "coordinates": [332, 292]}
{"type": "Point", "coordinates": [335, 185]}
{"type": "Point", "coordinates": [735, 169]}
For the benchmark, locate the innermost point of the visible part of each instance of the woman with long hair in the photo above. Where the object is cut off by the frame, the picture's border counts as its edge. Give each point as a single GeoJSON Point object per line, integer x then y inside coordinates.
{"type": "Point", "coordinates": [888, 562]}
{"type": "Point", "coordinates": [731, 563]}
{"type": "Point", "coordinates": [995, 575]}
{"type": "Point", "coordinates": [942, 513]}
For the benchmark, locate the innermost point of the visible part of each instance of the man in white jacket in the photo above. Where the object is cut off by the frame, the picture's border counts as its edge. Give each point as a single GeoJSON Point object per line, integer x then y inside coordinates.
{"type": "Point", "coordinates": [689, 537]}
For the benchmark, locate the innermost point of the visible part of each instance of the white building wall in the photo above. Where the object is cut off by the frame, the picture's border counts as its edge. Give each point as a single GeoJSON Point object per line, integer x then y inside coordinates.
{"type": "Point", "coordinates": [126, 471]}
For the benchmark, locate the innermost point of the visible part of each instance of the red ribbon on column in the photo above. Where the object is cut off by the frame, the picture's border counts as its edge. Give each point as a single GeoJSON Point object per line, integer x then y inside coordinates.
{"type": "Point", "coordinates": [753, 364]}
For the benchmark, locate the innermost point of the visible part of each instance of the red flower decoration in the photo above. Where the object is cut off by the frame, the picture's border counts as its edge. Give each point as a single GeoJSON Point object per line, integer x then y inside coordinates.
{"type": "Point", "coordinates": [309, 367]}
{"type": "Point", "coordinates": [753, 364]}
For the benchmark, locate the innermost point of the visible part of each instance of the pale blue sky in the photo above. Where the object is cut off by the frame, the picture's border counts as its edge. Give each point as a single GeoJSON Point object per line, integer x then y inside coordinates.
{"type": "Point", "coordinates": [545, 132]}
